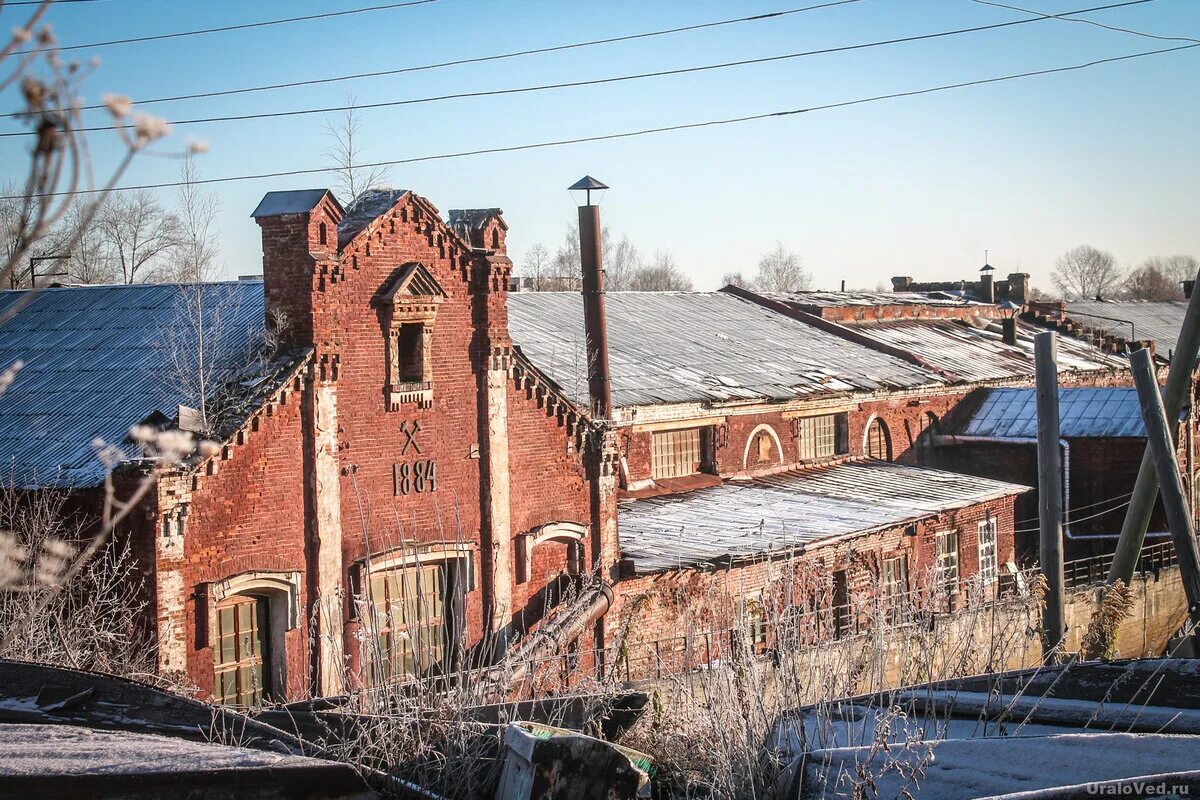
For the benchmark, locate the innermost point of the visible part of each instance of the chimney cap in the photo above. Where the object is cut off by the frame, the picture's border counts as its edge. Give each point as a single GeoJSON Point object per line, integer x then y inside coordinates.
{"type": "Point", "coordinates": [586, 182]}
{"type": "Point", "coordinates": [987, 268]}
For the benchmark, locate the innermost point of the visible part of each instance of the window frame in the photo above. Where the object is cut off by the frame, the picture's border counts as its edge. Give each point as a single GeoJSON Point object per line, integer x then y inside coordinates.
{"type": "Point", "coordinates": [406, 621]}
{"type": "Point", "coordinates": [894, 584]}
{"type": "Point", "coordinates": [253, 627]}
{"type": "Point", "coordinates": [660, 458]}
{"type": "Point", "coordinates": [947, 561]}
{"type": "Point", "coordinates": [989, 570]}
{"type": "Point", "coordinates": [827, 441]}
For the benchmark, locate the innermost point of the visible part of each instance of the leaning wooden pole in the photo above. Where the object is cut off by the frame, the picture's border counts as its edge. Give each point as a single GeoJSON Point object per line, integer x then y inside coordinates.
{"type": "Point", "coordinates": [1145, 489]}
{"type": "Point", "coordinates": [1162, 454]}
{"type": "Point", "coordinates": [1050, 494]}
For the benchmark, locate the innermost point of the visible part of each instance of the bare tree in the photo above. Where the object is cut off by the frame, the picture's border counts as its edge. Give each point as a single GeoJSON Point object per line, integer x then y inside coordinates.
{"type": "Point", "coordinates": [1177, 268]}
{"type": "Point", "coordinates": [660, 275]}
{"type": "Point", "coordinates": [92, 626]}
{"type": "Point", "coordinates": [193, 258]}
{"type": "Point", "coordinates": [1148, 282]}
{"type": "Point", "coordinates": [566, 259]}
{"type": "Point", "coordinates": [138, 232]}
{"type": "Point", "coordinates": [345, 155]}
{"type": "Point", "coordinates": [781, 271]}
{"type": "Point", "coordinates": [59, 169]}
{"type": "Point", "coordinates": [1085, 273]}
{"type": "Point", "coordinates": [736, 279]}
{"type": "Point", "coordinates": [537, 265]}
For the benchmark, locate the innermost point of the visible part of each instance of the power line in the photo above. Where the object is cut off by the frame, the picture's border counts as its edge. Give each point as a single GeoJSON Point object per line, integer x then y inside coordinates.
{"type": "Point", "coordinates": [39, 2]}
{"type": "Point", "coordinates": [636, 133]}
{"type": "Point", "coordinates": [597, 81]}
{"type": "Point", "coordinates": [482, 59]}
{"type": "Point", "coordinates": [241, 27]}
{"type": "Point", "coordinates": [1066, 18]}
{"type": "Point", "coordinates": [1076, 510]}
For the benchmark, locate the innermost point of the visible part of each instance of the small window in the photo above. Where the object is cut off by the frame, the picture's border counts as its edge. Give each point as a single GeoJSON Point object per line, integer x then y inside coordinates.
{"type": "Point", "coordinates": [894, 583]}
{"type": "Point", "coordinates": [677, 453]}
{"type": "Point", "coordinates": [408, 619]}
{"type": "Point", "coordinates": [987, 551]}
{"type": "Point", "coordinates": [821, 437]}
{"type": "Point", "coordinates": [321, 234]}
{"type": "Point", "coordinates": [495, 238]}
{"type": "Point", "coordinates": [410, 346]}
{"type": "Point", "coordinates": [239, 652]}
{"type": "Point", "coordinates": [946, 561]}
{"type": "Point", "coordinates": [757, 629]}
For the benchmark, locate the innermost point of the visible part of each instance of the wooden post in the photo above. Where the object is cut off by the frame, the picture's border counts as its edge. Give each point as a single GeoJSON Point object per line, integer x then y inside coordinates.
{"type": "Point", "coordinates": [1162, 453]}
{"type": "Point", "coordinates": [1050, 497]}
{"type": "Point", "coordinates": [1145, 489]}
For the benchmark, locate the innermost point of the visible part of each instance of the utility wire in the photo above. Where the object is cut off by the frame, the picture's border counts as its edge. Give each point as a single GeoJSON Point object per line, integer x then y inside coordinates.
{"type": "Point", "coordinates": [1074, 510]}
{"type": "Point", "coordinates": [241, 27]}
{"type": "Point", "coordinates": [636, 133]}
{"type": "Point", "coordinates": [1075, 520]}
{"type": "Point", "coordinates": [482, 59]}
{"type": "Point", "coordinates": [8, 3]}
{"type": "Point", "coordinates": [595, 81]}
{"type": "Point", "coordinates": [1067, 18]}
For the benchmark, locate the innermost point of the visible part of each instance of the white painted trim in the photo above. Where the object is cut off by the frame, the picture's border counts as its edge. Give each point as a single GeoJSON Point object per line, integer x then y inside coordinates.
{"type": "Point", "coordinates": [750, 440]}
{"type": "Point", "coordinates": [553, 531]}
{"type": "Point", "coordinates": [272, 583]}
{"type": "Point", "coordinates": [675, 425]}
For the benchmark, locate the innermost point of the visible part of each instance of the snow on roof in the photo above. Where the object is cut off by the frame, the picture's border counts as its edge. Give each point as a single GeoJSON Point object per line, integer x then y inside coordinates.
{"type": "Point", "coordinates": [1084, 413]}
{"type": "Point", "coordinates": [299, 201]}
{"type": "Point", "coordinates": [824, 299]}
{"type": "Point", "coordinates": [365, 209]}
{"type": "Point", "coordinates": [679, 347]}
{"type": "Point", "coordinates": [743, 518]}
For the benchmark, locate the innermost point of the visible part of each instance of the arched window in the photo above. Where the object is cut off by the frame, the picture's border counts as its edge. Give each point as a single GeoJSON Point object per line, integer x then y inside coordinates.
{"type": "Point", "coordinates": [879, 440]}
{"type": "Point", "coordinates": [928, 429]}
{"type": "Point", "coordinates": [495, 238]}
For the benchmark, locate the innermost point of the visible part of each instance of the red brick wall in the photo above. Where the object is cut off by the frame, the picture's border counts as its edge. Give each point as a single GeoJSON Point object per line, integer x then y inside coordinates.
{"type": "Point", "coordinates": [688, 602]}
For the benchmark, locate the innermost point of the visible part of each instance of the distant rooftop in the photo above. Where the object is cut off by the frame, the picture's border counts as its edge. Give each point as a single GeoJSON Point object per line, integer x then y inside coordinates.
{"type": "Point", "coordinates": [299, 201]}
{"type": "Point", "coordinates": [743, 518]}
{"type": "Point", "coordinates": [866, 299]}
{"type": "Point", "coordinates": [1158, 320]}
{"type": "Point", "coordinates": [680, 347]}
{"type": "Point", "coordinates": [1084, 413]}
{"type": "Point", "coordinates": [100, 359]}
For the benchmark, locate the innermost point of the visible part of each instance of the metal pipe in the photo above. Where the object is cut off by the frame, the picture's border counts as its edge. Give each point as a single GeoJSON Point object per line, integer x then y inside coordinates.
{"type": "Point", "coordinates": [1145, 489]}
{"type": "Point", "coordinates": [1050, 491]}
{"type": "Point", "coordinates": [594, 321]}
{"type": "Point", "coordinates": [555, 635]}
{"type": "Point", "coordinates": [1162, 450]}
{"type": "Point", "coordinates": [952, 439]}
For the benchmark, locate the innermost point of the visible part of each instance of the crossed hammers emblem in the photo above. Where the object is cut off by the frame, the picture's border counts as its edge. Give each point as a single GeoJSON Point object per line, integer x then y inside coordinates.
{"type": "Point", "coordinates": [410, 432]}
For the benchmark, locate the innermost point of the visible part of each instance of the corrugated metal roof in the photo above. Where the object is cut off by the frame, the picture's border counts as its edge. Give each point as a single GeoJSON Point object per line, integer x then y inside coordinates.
{"type": "Point", "coordinates": [679, 347]}
{"type": "Point", "coordinates": [98, 360]}
{"type": "Point", "coordinates": [977, 352]}
{"type": "Point", "coordinates": [300, 201]}
{"type": "Point", "coordinates": [1159, 321]}
{"type": "Point", "coordinates": [740, 519]}
{"type": "Point", "coordinates": [1084, 413]}
{"type": "Point", "coordinates": [861, 299]}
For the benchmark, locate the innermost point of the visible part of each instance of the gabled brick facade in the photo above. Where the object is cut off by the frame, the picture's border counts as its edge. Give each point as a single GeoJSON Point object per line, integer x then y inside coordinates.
{"type": "Point", "coordinates": [354, 467]}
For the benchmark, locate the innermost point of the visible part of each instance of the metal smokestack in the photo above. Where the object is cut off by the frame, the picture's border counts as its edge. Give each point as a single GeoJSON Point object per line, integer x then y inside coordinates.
{"type": "Point", "coordinates": [594, 321]}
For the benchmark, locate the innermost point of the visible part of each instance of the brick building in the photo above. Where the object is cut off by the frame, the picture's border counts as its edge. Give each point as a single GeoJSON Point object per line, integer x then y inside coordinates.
{"type": "Point", "coordinates": [406, 474]}
{"type": "Point", "coordinates": [392, 486]}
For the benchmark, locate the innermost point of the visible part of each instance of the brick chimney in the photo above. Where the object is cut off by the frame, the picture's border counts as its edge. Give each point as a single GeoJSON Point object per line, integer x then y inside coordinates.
{"type": "Point", "coordinates": [484, 228]}
{"type": "Point", "coordinates": [299, 235]}
{"type": "Point", "coordinates": [901, 283]}
{"type": "Point", "coordinates": [1018, 287]}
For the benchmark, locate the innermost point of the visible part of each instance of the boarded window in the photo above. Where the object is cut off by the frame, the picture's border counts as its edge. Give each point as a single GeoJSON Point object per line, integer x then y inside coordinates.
{"type": "Point", "coordinates": [764, 447]}
{"type": "Point", "coordinates": [676, 453]}
{"type": "Point", "coordinates": [946, 560]}
{"type": "Point", "coordinates": [819, 437]}
{"type": "Point", "coordinates": [879, 441]}
{"type": "Point", "coordinates": [895, 586]}
{"type": "Point", "coordinates": [239, 652]}
{"type": "Point", "coordinates": [987, 551]}
{"type": "Point", "coordinates": [409, 623]}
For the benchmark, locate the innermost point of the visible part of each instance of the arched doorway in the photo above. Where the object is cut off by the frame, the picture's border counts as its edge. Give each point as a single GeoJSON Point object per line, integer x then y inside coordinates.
{"type": "Point", "coordinates": [878, 442]}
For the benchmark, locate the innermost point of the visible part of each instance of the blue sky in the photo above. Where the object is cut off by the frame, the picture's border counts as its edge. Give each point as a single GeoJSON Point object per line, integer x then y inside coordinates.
{"type": "Point", "coordinates": [918, 186]}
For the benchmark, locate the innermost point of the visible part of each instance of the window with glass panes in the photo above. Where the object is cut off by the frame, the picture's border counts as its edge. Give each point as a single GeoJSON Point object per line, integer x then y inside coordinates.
{"type": "Point", "coordinates": [987, 551]}
{"type": "Point", "coordinates": [946, 560]}
{"type": "Point", "coordinates": [676, 453]}
{"type": "Point", "coordinates": [818, 437]}
{"type": "Point", "coordinates": [895, 584]}
{"type": "Point", "coordinates": [239, 651]}
{"type": "Point", "coordinates": [409, 621]}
